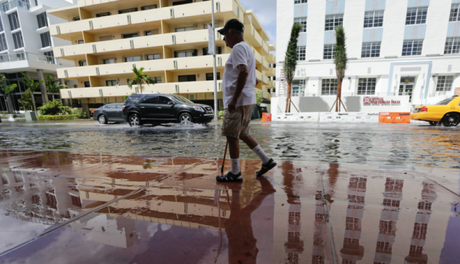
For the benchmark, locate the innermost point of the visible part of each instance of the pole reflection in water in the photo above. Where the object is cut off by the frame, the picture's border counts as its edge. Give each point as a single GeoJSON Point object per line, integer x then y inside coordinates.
{"type": "Point", "coordinates": [352, 251]}
{"type": "Point", "coordinates": [389, 217]}
{"type": "Point", "coordinates": [421, 225]}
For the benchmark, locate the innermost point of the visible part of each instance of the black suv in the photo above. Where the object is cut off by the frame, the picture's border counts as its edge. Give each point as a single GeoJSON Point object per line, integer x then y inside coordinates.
{"type": "Point", "coordinates": [157, 108]}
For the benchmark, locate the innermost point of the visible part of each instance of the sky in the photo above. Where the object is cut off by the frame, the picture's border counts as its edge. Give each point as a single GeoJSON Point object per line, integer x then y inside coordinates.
{"type": "Point", "coordinates": [265, 11]}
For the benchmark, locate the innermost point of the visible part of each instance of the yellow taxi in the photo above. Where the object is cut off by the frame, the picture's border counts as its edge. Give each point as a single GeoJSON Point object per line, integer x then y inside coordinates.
{"type": "Point", "coordinates": [446, 112]}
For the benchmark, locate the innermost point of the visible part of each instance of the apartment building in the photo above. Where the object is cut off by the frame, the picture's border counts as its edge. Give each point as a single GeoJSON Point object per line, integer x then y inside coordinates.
{"type": "Point", "coordinates": [27, 46]}
{"type": "Point", "coordinates": [168, 38]}
{"type": "Point", "coordinates": [401, 53]}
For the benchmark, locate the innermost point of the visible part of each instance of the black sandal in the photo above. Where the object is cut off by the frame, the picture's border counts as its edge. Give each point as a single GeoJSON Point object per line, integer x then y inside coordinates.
{"type": "Point", "coordinates": [266, 167]}
{"type": "Point", "coordinates": [230, 177]}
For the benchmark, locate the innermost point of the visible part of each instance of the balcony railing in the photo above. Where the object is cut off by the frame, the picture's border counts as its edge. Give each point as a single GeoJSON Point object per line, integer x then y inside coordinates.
{"type": "Point", "coordinates": [15, 3]}
{"type": "Point", "coordinates": [29, 56]}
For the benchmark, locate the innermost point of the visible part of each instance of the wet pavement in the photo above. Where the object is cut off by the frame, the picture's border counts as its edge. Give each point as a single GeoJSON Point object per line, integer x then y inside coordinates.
{"type": "Point", "coordinates": [64, 207]}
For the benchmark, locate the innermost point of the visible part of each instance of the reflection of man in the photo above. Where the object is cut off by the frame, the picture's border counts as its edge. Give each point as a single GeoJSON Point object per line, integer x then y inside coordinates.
{"type": "Point", "coordinates": [242, 246]}
{"type": "Point", "coordinates": [239, 100]}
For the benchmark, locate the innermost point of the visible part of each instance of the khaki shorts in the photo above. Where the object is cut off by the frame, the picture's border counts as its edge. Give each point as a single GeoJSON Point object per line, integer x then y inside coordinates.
{"type": "Point", "coordinates": [238, 123]}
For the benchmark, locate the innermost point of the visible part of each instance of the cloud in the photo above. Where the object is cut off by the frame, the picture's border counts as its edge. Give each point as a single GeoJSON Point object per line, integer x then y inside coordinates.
{"type": "Point", "coordinates": [265, 11]}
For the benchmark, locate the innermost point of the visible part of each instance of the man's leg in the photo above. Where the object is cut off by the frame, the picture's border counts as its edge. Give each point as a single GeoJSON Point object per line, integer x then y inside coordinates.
{"type": "Point", "coordinates": [234, 150]}
{"type": "Point", "coordinates": [231, 128]}
{"type": "Point", "coordinates": [256, 148]}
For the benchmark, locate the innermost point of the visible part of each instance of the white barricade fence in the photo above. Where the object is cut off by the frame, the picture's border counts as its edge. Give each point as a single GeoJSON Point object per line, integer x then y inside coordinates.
{"type": "Point", "coordinates": [328, 117]}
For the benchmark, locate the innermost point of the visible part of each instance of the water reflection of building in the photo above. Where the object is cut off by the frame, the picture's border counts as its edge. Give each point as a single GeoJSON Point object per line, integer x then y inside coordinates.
{"type": "Point", "coordinates": [294, 245]}
{"type": "Point", "coordinates": [421, 225]}
{"type": "Point", "coordinates": [389, 217]}
{"type": "Point", "coordinates": [352, 251]}
{"type": "Point", "coordinates": [319, 243]}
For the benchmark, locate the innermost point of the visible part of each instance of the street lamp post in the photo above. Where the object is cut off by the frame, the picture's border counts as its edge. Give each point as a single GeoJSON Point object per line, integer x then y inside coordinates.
{"type": "Point", "coordinates": [216, 117]}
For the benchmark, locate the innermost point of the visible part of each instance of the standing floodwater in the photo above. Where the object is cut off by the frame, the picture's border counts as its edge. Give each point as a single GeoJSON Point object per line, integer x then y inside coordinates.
{"type": "Point", "coordinates": [373, 144]}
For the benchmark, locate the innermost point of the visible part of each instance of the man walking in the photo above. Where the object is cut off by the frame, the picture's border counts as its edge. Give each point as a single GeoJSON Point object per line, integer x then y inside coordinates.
{"type": "Point", "coordinates": [239, 100]}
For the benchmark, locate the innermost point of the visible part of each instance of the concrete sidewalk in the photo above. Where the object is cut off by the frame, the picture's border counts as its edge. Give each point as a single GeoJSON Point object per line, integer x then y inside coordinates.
{"type": "Point", "coordinates": [58, 207]}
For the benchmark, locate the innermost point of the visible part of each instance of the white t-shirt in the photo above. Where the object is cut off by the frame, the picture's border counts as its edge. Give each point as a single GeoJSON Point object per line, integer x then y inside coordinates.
{"type": "Point", "coordinates": [240, 55]}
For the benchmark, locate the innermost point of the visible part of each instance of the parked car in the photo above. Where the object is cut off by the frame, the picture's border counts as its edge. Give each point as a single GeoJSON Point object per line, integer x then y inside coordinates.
{"type": "Point", "coordinates": [109, 113]}
{"type": "Point", "coordinates": [447, 112]}
{"type": "Point", "coordinates": [158, 108]}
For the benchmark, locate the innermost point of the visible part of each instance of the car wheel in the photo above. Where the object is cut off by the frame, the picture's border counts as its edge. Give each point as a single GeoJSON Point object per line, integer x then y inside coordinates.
{"type": "Point", "coordinates": [134, 120]}
{"type": "Point", "coordinates": [102, 119]}
{"type": "Point", "coordinates": [433, 123]}
{"type": "Point", "coordinates": [451, 119]}
{"type": "Point", "coordinates": [185, 118]}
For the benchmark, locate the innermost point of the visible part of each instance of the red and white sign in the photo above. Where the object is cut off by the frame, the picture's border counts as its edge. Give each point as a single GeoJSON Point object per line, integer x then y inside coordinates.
{"type": "Point", "coordinates": [379, 101]}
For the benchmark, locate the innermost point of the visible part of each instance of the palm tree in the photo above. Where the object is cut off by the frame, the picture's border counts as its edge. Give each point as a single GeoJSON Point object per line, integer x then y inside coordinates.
{"type": "Point", "coordinates": [290, 62]}
{"type": "Point", "coordinates": [7, 89]}
{"type": "Point", "coordinates": [53, 86]}
{"type": "Point", "coordinates": [140, 78]}
{"type": "Point", "coordinates": [32, 86]}
{"type": "Point", "coordinates": [340, 60]}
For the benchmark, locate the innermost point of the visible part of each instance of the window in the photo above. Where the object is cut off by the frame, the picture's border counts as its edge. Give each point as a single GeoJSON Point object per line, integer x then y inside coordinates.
{"type": "Point", "coordinates": [182, 2]}
{"type": "Point", "coordinates": [210, 76]}
{"type": "Point", "coordinates": [108, 61]}
{"type": "Point", "coordinates": [452, 46]}
{"type": "Point", "coordinates": [129, 10]}
{"type": "Point", "coordinates": [81, 41]}
{"type": "Point", "coordinates": [366, 86]}
{"type": "Point", "coordinates": [14, 21]}
{"type": "Point", "coordinates": [104, 38]}
{"type": "Point", "coordinates": [333, 21]}
{"type": "Point", "coordinates": [82, 63]}
{"type": "Point", "coordinates": [87, 84]}
{"type": "Point", "coordinates": [328, 53]}
{"type": "Point", "coordinates": [188, 53]}
{"type": "Point", "coordinates": [444, 83]}
{"type": "Point", "coordinates": [412, 47]}
{"type": "Point", "coordinates": [303, 21]}
{"type": "Point", "coordinates": [300, 1]}
{"type": "Point", "coordinates": [110, 82]}
{"type": "Point", "coordinates": [205, 51]}
{"type": "Point", "coordinates": [42, 21]}
{"type": "Point", "coordinates": [181, 29]}
{"type": "Point", "coordinates": [18, 43]}
{"type": "Point", "coordinates": [76, 18]}
{"type": "Point", "coordinates": [3, 45]}
{"type": "Point", "coordinates": [454, 13]}
{"type": "Point", "coordinates": [130, 35]}
{"type": "Point", "coordinates": [298, 87]}
{"type": "Point", "coordinates": [131, 59]}
{"type": "Point", "coordinates": [148, 7]}
{"type": "Point", "coordinates": [370, 49]}
{"type": "Point", "coordinates": [416, 15]}
{"type": "Point", "coordinates": [373, 19]}
{"type": "Point", "coordinates": [329, 87]}
{"type": "Point", "coordinates": [163, 100]}
{"type": "Point", "coordinates": [49, 56]}
{"type": "Point", "coordinates": [152, 32]}
{"type": "Point", "coordinates": [150, 100]}
{"type": "Point", "coordinates": [157, 79]}
{"type": "Point", "coordinates": [103, 14]}
{"type": "Point", "coordinates": [187, 78]}
{"type": "Point", "coordinates": [46, 39]}
{"type": "Point", "coordinates": [301, 53]}
{"type": "Point", "coordinates": [153, 56]}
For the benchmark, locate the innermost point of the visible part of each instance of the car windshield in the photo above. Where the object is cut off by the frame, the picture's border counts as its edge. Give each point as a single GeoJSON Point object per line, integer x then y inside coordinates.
{"type": "Point", "coordinates": [182, 99]}
{"type": "Point", "coordinates": [133, 99]}
{"type": "Point", "coordinates": [445, 101]}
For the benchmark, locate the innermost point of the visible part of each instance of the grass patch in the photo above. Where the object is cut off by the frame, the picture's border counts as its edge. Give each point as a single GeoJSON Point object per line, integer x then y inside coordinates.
{"type": "Point", "coordinates": [57, 117]}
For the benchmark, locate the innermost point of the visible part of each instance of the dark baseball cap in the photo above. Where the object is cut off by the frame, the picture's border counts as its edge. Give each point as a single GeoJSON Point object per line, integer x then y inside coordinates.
{"type": "Point", "coordinates": [232, 24]}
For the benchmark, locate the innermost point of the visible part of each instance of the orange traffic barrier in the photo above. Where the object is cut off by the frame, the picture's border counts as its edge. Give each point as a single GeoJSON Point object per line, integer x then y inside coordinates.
{"type": "Point", "coordinates": [394, 117]}
{"type": "Point", "coordinates": [266, 117]}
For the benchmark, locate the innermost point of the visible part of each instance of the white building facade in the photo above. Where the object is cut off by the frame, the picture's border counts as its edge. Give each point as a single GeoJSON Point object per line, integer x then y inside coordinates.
{"type": "Point", "coordinates": [402, 53]}
{"type": "Point", "coordinates": [27, 46]}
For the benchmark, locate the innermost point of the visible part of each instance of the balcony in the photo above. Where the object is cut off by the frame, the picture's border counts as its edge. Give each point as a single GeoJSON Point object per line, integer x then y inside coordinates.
{"type": "Point", "coordinates": [123, 90]}
{"type": "Point", "coordinates": [29, 56]}
{"type": "Point", "coordinates": [270, 72]}
{"type": "Point", "coordinates": [252, 36]}
{"type": "Point", "coordinates": [149, 66]}
{"type": "Point", "coordinates": [271, 58]}
{"type": "Point", "coordinates": [15, 3]}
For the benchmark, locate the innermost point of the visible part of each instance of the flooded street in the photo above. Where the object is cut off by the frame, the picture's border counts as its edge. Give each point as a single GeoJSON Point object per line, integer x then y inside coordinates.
{"type": "Point", "coordinates": [372, 144]}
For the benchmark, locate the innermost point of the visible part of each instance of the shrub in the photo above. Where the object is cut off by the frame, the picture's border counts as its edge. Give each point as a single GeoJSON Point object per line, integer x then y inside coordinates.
{"type": "Point", "coordinates": [79, 113]}
{"type": "Point", "coordinates": [56, 117]}
{"type": "Point", "coordinates": [220, 114]}
{"type": "Point", "coordinates": [54, 108]}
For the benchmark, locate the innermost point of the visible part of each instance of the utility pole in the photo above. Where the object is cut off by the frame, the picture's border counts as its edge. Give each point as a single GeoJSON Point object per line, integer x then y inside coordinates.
{"type": "Point", "coordinates": [216, 117]}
